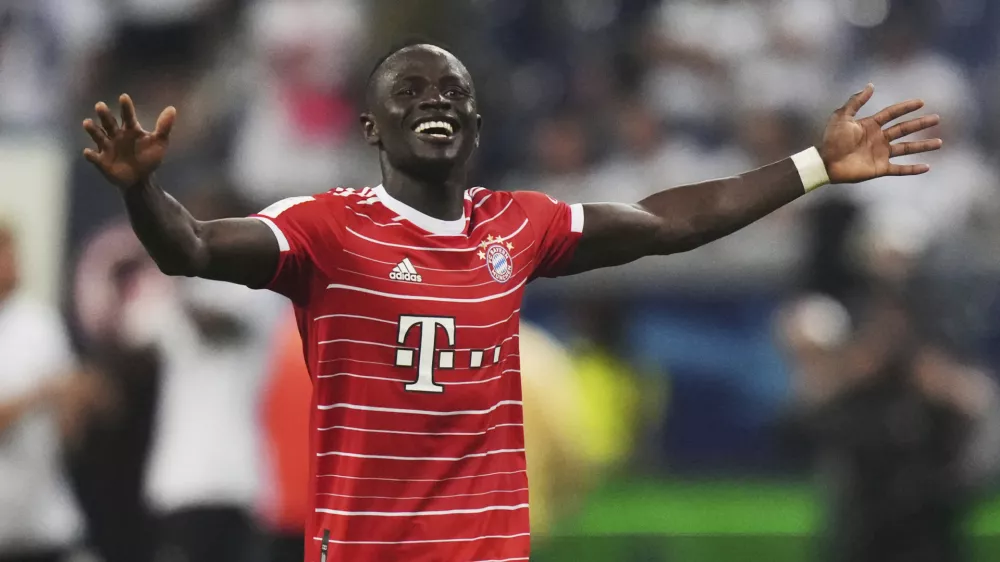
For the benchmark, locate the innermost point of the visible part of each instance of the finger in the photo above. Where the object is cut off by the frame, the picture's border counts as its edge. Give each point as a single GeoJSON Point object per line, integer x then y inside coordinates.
{"type": "Point", "coordinates": [916, 147]}
{"type": "Point", "coordinates": [92, 156]}
{"type": "Point", "coordinates": [107, 119]}
{"type": "Point", "coordinates": [97, 134]}
{"type": "Point", "coordinates": [908, 170]}
{"type": "Point", "coordinates": [165, 123]}
{"type": "Point", "coordinates": [911, 126]}
{"type": "Point", "coordinates": [129, 120]}
{"type": "Point", "coordinates": [894, 112]}
{"type": "Point", "coordinates": [858, 100]}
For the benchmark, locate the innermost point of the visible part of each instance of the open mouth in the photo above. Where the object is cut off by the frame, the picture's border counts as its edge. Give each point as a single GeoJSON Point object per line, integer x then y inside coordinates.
{"type": "Point", "coordinates": [435, 129]}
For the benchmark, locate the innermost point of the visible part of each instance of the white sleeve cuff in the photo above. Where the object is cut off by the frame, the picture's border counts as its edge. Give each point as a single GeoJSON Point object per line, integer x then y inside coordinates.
{"type": "Point", "coordinates": [811, 168]}
{"type": "Point", "coordinates": [278, 234]}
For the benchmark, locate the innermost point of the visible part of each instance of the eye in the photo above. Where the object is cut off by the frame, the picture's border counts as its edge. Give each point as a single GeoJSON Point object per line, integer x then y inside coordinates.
{"type": "Point", "coordinates": [455, 93]}
{"type": "Point", "coordinates": [406, 92]}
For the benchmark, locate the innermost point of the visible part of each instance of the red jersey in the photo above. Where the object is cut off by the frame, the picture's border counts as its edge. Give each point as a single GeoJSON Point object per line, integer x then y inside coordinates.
{"type": "Point", "coordinates": [410, 331]}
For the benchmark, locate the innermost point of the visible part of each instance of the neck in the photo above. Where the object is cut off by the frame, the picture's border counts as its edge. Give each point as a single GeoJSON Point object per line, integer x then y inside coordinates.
{"type": "Point", "coordinates": [439, 197]}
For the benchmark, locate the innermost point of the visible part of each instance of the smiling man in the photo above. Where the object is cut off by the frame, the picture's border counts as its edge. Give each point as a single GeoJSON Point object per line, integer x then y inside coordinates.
{"type": "Point", "coordinates": [408, 296]}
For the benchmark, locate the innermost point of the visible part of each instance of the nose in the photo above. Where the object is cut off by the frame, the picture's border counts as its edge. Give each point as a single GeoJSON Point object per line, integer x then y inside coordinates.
{"type": "Point", "coordinates": [435, 100]}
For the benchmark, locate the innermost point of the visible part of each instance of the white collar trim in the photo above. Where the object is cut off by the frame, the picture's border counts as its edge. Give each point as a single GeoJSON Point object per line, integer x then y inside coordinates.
{"type": "Point", "coordinates": [426, 222]}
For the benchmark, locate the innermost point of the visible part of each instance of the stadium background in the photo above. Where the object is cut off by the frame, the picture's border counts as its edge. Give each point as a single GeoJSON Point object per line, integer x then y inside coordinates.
{"type": "Point", "coordinates": [672, 376]}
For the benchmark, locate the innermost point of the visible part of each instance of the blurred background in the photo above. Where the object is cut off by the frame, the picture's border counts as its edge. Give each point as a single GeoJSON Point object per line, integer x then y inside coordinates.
{"type": "Point", "coordinates": [820, 386]}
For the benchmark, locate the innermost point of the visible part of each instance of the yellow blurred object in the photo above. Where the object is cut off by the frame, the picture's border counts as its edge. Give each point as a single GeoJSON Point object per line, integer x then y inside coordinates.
{"type": "Point", "coordinates": [581, 411]}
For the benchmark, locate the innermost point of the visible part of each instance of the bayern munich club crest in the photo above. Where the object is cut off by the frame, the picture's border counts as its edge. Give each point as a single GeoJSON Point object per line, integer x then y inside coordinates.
{"type": "Point", "coordinates": [496, 253]}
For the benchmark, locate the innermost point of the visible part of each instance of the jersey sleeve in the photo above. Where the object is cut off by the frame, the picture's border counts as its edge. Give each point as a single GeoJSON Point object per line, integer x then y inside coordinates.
{"type": "Point", "coordinates": [304, 229]}
{"type": "Point", "coordinates": [557, 229]}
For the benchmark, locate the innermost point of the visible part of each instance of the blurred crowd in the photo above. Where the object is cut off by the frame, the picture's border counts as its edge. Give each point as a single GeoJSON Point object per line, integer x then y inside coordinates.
{"type": "Point", "coordinates": [143, 416]}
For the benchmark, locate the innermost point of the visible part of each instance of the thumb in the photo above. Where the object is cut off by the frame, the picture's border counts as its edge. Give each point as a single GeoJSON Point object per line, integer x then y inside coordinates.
{"type": "Point", "coordinates": [165, 123]}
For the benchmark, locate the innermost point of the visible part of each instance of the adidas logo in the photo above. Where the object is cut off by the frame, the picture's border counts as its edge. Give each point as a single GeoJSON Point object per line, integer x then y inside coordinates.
{"type": "Point", "coordinates": [404, 271]}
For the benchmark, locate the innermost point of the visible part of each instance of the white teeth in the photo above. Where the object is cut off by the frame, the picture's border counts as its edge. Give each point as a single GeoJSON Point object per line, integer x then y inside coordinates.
{"type": "Point", "coordinates": [427, 125]}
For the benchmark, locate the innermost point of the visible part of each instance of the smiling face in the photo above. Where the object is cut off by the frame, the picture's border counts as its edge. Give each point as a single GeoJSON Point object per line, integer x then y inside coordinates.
{"type": "Point", "coordinates": [422, 111]}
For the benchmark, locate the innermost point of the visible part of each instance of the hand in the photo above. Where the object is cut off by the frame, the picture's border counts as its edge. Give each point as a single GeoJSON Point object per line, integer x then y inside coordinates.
{"type": "Point", "coordinates": [855, 150]}
{"type": "Point", "coordinates": [127, 154]}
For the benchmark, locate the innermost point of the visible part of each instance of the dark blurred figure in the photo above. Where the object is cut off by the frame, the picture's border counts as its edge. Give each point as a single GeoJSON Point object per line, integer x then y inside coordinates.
{"type": "Point", "coordinates": [901, 432]}
{"type": "Point", "coordinates": [108, 468]}
{"type": "Point", "coordinates": [42, 402]}
{"type": "Point", "coordinates": [204, 474]}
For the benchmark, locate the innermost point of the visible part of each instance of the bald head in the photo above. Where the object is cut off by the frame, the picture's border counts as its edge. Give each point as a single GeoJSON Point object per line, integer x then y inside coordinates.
{"type": "Point", "coordinates": [388, 64]}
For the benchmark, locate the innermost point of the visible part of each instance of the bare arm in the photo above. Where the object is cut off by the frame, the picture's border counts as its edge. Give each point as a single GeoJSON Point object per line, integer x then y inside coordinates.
{"type": "Point", "coordinates": [690, 216]}
{"type": "Point", "coordinates": [240, 251]}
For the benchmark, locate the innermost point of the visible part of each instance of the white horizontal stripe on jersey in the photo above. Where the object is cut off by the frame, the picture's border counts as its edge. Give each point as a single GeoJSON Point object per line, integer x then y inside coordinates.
{"type": "Point", "coordinates": [421, 459]}
{"type": "Point", "coordinates": [395, 322]}
{"type": "Point", "coordinates": [421, 267]}
{"type": "Point", "coordinates": [379, 344]}
{"type": "Point", "coordinates": [490, 347]}
{"type": "Point", "coordinates": [377, 479]}
{"type": "Point", "coordinates": [426, 249]}
{"type": "Point", "coordinates": [426, 284]}
{"type": "Point", "coordinates": [491, 409]}
{"type": "Point", "coordinates": [352, 360]}
{"type": "Point", "coordinates": [422, 513]}
{"type": "Point", "coordinates": [477, 268]}
{"type": "Point", "coordinates": [426, 298]}
{"type": "Point", "coordinates": [368, 377]}
{"type": "Point", "coordinates": [390, 379]}
{"type": "Point", "coordinates": [504, 321]}
{"type": "Point", "coordinates": [424, 433]}
{"type": "Point", "coordinates": [357, 317]}
{"type": "Point", "coordinates": [373, 220]}
{"type": "Point", "coordinates": [505, 560]}
{"type": "Point", "coordinates": [472, 192]}
{"type": "Point", "coordinates": [495, 217]}
{"type": "Point", "coordinates": [425, 497]}
{"type": "Point", "coordinates": [431, 541]}
{"type": "Point", "coordinates": [491, 379]}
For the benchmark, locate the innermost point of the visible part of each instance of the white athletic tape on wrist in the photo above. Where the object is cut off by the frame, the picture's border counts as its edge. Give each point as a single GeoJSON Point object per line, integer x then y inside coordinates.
{"type": "Point", "coordinates": [811, 168]}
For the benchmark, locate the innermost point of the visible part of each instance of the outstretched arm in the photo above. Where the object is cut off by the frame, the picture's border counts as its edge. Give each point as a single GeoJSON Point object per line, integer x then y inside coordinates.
{"type": "Point", "coordinates": [686, 217]}
{"type": "Point", "coordinates": [240, 251]}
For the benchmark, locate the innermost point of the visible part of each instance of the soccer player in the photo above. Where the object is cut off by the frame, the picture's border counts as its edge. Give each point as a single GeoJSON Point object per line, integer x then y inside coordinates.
{"type": "Point", "coordinates": [408, 295]}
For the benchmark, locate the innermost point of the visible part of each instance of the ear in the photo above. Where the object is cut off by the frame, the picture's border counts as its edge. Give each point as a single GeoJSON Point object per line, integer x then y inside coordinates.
{"type": "Point", "coordinates": [479, 128]}
{"type": "Point", "coordinates": [370, 129]}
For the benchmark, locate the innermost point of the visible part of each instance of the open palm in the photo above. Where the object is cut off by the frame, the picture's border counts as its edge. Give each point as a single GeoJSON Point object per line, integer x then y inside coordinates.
{"type": "Point", "coordinates": [856, 150]}
{"type": "Point", "coordinates": [126, 154]}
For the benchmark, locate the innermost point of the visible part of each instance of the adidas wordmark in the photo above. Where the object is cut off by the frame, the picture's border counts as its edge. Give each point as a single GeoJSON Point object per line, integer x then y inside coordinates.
{"type": "Point", "coordinates": [404, 271]}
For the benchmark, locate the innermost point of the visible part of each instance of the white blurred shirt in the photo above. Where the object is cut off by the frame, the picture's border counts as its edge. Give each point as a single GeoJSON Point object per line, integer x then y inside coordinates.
{"type": "Point", "coordinates": [37, 510]}
{"type": "Point", "coordinates": [207, 446]}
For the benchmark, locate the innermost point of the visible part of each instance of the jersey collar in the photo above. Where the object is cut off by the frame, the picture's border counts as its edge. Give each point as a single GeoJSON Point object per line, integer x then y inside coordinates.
{"type": "Point", "coordinates": [426, 222]}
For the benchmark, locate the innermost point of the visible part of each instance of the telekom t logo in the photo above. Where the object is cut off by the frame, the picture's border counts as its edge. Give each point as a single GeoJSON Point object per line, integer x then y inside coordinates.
{"type": "Point", "coordinates": [428, 326]}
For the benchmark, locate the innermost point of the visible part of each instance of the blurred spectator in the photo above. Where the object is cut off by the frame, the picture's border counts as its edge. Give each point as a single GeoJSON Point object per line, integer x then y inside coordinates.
{"type": "Point", "coordinates": [300, 134]}
{"type": "Point", "coordinates": [46, 47]}
{"type": "Point", "coordinates": [650, 156]}
{"type": "Point", "coordinates": [203, 477]}
{"type": "Point", "coordinates": [39, 395]}
{"type": "Point", "coordinates": [108, 468]}
{"type": "Point", "coordinates": [561, 153]}
{"type": "Point", "coordinates": [285, 408]}
{"type": "Point", "coordinates": [902, 433]}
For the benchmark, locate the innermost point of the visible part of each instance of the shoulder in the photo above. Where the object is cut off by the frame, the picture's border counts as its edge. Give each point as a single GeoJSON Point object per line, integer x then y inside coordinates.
{"type": "Point", "coordinates": [329, 210]}
{"type": "Point", "coordinates": [525, 202]}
